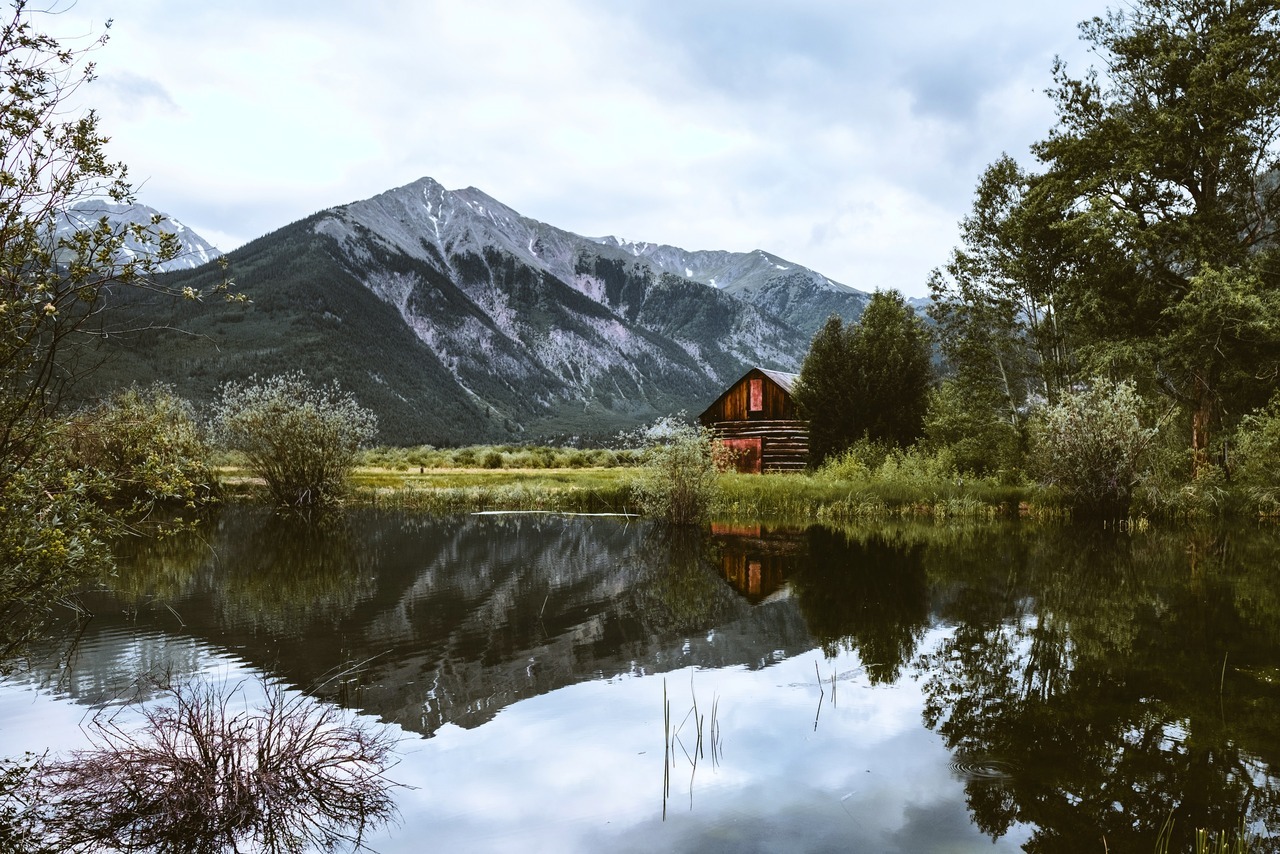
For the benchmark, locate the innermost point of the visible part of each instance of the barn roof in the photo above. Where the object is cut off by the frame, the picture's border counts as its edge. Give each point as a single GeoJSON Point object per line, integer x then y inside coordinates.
{"type": "Point", "coordinates": [782, 378]}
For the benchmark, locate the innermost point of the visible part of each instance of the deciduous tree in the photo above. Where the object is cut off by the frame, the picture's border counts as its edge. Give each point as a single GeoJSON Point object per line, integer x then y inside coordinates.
{"type": "Point", "coordinates": [1170, 158]}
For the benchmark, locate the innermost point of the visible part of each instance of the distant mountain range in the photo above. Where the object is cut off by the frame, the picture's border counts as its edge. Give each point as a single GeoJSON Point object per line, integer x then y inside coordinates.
{"type": "Point", "coordinates": [457, 320]}
{"type": "Point", "coordinates": [193, 250]}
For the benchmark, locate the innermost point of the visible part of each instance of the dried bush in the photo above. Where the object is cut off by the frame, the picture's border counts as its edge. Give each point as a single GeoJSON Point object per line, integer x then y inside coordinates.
{"type": "Point", "coordinates": [198, 776]}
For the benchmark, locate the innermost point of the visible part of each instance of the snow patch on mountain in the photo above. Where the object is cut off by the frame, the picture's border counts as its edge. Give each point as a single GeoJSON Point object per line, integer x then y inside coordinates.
{"type": "Point", "coordinates": [193, 250]}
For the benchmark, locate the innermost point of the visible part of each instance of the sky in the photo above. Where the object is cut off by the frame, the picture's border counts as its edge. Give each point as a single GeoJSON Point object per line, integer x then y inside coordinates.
{"type": "Point", "coordinates": [844, 135]}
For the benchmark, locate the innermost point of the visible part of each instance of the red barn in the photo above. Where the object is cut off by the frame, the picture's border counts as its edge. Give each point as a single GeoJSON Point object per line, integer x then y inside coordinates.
{"type": "Point", "coordinates": [756, 417]}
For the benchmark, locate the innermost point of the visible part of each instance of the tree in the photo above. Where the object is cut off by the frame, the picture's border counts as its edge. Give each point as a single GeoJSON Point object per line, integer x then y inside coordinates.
{"type": "Point", "coordinates": [57, 278]}
{"type": "Point", "coordinates": [824, 392]}
{"type": "Point", "coordinates": [997, 302]}
{"type": "Point", "coordinates": [1171, 161]}
{"type": "Point", "coordinates": [300, 438]}
{"type": "Point", "coordinates": [894, 372]}
{"type": "Point", "coordinates": [868, 380]}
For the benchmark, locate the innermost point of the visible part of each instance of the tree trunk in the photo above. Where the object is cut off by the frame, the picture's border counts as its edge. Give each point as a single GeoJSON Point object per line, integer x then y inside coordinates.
{"type": "Point", "coordinates": [1200, 418]}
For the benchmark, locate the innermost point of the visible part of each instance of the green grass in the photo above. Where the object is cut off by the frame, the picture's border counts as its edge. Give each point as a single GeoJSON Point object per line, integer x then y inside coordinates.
{"type": "Point", "coordinates": [769, 496]}
{"type": "Point", "coordinates": [581, 490]}
{"type": "Point", "coordinates": [512, 477]}
{"type": "Point", "coordinates": [497, 457]}
{"type": "Point", "coordinates": [816, 496]}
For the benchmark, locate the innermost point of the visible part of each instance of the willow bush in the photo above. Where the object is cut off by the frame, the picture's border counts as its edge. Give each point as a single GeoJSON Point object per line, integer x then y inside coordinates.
{"type": "Point", "coordinates": [678, 480]}
{"type": "Point", "coordinates": [302, 439]}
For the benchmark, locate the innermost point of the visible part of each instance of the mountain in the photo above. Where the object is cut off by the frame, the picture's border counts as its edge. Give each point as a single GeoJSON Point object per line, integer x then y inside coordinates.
{"type": "Point", "coordinates": [193, 250]}
{"type": "Point", "coordinates": [457, 319]}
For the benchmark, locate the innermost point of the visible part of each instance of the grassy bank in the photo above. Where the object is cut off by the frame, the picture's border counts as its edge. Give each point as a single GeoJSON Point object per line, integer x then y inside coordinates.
{"type": "Point", "coordinates": [466, 490]}
{"type": "Point", "coordinates": [826, 498]}
{"type": "Point", "coordinates": [595, 489]}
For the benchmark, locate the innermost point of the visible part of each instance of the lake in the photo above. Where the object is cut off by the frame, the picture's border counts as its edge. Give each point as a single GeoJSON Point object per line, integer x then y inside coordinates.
{"type": "Point", "coordinates": [889, 688]}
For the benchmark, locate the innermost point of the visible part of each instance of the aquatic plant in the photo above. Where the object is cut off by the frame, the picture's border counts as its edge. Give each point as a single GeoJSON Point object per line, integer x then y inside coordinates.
{"type": "Point", "coordinates": [671, 739]}
{"type": "Point", "coordinates": [197, 776]}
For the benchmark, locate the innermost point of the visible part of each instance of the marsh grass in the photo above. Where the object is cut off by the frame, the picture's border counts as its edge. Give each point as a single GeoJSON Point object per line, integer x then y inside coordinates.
{"type": "Point", "coordinates": [426, 457]}
{"type": "Point", "coordinates": [472, 490]}
{"type": "Point", "coordinates": [464, 480]}
{"type": "Point", "coordinates": [823, 496]}
{"type": "Point", "coordinates": [702, 737]}
{"type": "Point", "coordinates": [1239, 841]}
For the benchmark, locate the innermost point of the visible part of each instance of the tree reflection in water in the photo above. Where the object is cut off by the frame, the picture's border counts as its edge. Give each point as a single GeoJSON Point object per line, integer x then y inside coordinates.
{"type": "Point", "coordinates": [1089, 666]}
{"type": "Point", "coordinates": [865, 593]}
{"type": "Point", "coordinates": [1087, 684]}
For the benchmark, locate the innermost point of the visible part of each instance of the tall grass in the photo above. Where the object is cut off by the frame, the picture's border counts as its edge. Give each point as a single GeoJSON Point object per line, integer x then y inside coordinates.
{"type": "Point", "coordinates": [586, 491]}
{"type": "Point", "coordinates": [866, 483]}
{"type": "Point", "coordinates": [1239, 841]}
{"type": "Point", "coordinates": [870, 482]}
{"type": "Point", "coordinates": [497, 457]}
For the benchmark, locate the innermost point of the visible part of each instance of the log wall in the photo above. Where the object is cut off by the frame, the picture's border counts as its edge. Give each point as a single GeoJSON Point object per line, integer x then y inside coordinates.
{"type": "Point", "coordinates": [784, 444]}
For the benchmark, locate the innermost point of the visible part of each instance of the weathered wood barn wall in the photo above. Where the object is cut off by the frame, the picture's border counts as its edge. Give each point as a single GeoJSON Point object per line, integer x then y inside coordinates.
{"type": "Point", "coordinates": [756, 418]}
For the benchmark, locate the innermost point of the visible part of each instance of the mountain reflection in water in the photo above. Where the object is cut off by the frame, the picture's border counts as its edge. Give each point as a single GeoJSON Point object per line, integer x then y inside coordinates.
{"type": "Point", "coordinates": [1058, 688]}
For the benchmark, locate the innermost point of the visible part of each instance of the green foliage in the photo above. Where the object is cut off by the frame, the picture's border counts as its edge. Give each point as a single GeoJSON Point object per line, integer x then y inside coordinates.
{"type": "Point", "coordinates": [996, 301]}
{"type": "Point", "coordinates": [1166, 491]}
{"type": "Point", "coordinates": [51, 542]}
{"type": "Point", "coordinates": [824, 393]}
{"type": "Point", "coordinates": [1256, 463]}
{"type": "Point", "coordinates": [53, 276]}
{"type": "Point", "coordinates": [1146, 247]}
{"type": "Point", "coordinates": [869, 379]}
{"type": "Point", "coordinates": [1091, 446]}
{"type": "Point", "coordinates": [678, 482]}
{"type": "Point", "coordinates": [146, 450]}
{"type": "Point", "coordinates": [973, 431]}
{"type": "Point", "coordinates": [54, 279]}
{"type": "Point", "coordinates": [1164, 171]}
{"type": "Point", "coordinates": [300, 438]}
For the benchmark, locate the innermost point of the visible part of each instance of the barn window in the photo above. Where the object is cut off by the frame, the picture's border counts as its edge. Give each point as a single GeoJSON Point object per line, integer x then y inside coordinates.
{"type": "Point", "coordinates": [757, 396]}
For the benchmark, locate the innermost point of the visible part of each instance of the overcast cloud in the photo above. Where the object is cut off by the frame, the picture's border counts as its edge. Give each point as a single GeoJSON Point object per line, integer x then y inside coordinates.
{"type": "Point", "coordinates": [844, 136]}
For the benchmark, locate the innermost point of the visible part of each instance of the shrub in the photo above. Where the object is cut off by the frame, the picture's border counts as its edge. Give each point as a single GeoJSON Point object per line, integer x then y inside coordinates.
{"type": "Point", "coordinates": [51, 542]}
{"type": "Point", "coordinates": [145, 447]}
{"type": "Point", "coordinates": [1256, 465]}
{"type": "Point", "coordinates": [679, 480]}
{"type": "Point", "coordinates": [1092, 445]}
{"type": "Point", "coordinates": [491, 460]}
{"type": "Point", "coordinates": [300, 438]}
{"type": "Point", "coordinates": [965, 425]}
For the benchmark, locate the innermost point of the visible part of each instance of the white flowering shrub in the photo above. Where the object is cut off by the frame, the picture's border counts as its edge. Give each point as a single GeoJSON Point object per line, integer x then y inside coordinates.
{"type": "Point", "coordinates": [300, 438]}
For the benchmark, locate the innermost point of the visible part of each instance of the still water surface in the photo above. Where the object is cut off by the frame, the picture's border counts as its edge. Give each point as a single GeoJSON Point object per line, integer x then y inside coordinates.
{"type": "Point", "coordinates": [909, 688]}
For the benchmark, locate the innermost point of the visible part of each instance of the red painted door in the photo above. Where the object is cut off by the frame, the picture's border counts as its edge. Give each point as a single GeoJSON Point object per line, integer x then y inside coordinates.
{"type": "Point", "coordinates": [746, 454]}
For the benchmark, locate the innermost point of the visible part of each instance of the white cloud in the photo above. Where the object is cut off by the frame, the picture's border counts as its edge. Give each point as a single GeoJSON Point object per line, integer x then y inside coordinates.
{"type": "Point", "coordinates": [845, 137]}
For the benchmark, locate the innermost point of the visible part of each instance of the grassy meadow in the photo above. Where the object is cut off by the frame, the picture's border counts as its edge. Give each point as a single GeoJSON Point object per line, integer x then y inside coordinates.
{"type": "Point", "coordinates": [538, 478]}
